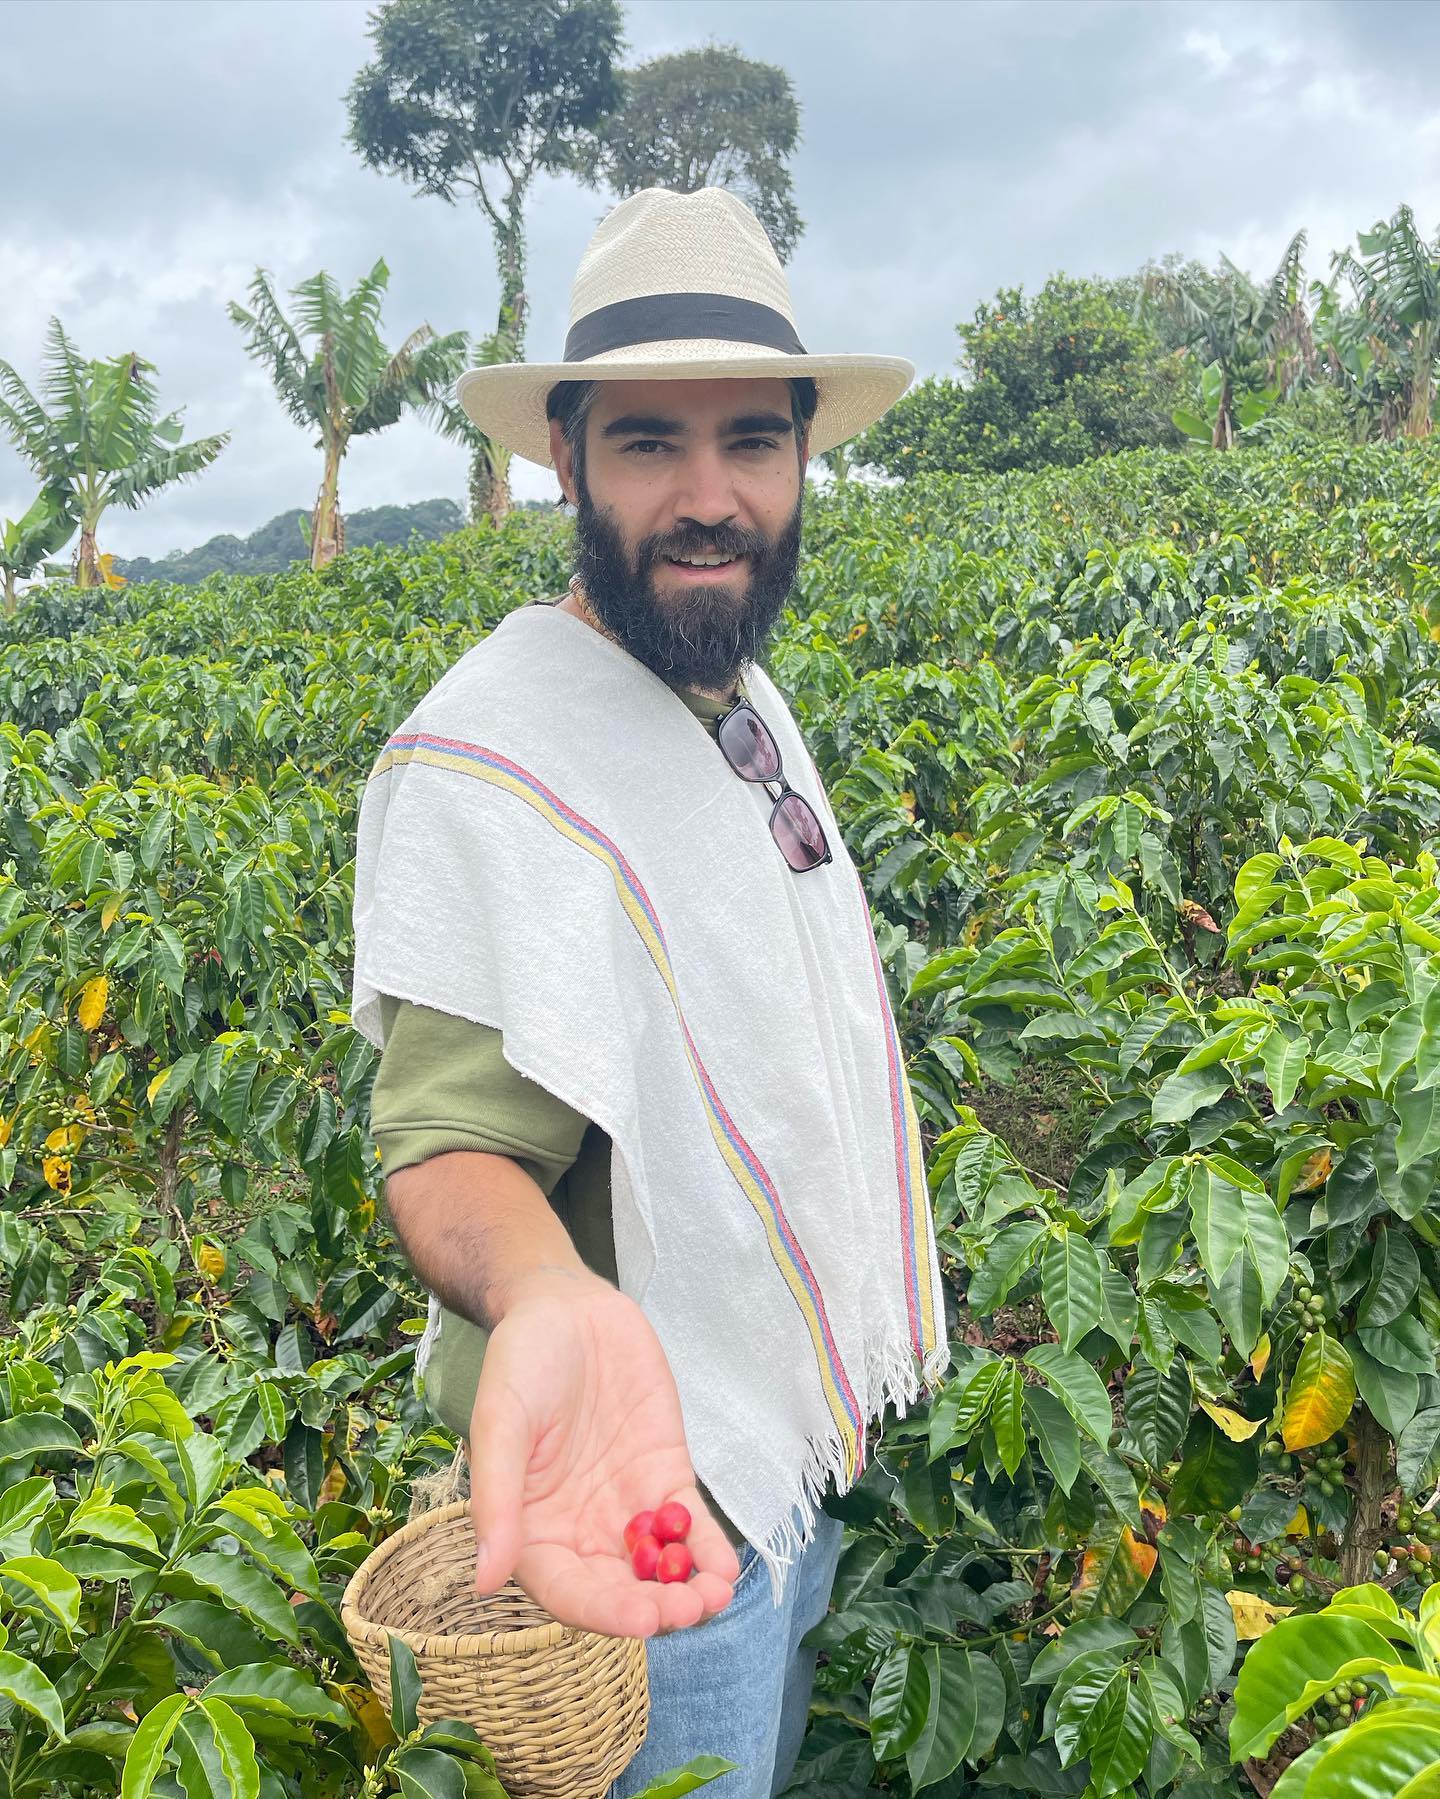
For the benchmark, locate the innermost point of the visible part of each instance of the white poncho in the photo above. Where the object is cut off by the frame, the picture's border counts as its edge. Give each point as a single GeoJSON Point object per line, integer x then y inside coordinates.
{"type": "Point", "coordinates": [554, 845]}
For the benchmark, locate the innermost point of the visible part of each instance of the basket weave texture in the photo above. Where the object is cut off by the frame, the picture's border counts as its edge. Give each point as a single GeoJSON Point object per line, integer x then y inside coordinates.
{"type": "Point", "coordinates": [563, 1711]}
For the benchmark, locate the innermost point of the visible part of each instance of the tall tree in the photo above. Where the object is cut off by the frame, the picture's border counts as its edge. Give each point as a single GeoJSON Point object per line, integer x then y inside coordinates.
{"type": "Point", "coordinates": [1050, 378]}
{"type": "Point", "coordinates": [706, 118]}
{"type": "Point", "coordinates": [1246, 337]}
{"type": "Point", "coordinates": [1393, 333]}
{"type": "Point", "coordinates": [101, 441]}
{"type": "Point", "coordinates": [481, 96]}
{"type": "Point", "coordinates": [349, 385]}
{"type": "Point", "coordinates": [25, 542]}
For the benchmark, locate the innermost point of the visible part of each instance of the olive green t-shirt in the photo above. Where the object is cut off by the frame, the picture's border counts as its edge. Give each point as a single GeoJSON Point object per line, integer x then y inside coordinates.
{"type": "Point", "coordinates": [443, 1084]}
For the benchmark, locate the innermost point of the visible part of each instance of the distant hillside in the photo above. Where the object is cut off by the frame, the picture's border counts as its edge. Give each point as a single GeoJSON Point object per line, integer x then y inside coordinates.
{"type": "Point", "coordinates": [271, 549]}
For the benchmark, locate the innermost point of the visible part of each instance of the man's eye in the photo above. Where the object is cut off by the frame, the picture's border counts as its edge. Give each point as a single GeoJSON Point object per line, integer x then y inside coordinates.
{"type": "Point", "coordinates": [647, 443]}
{"type": "Point", "coordinates": [759, 443]}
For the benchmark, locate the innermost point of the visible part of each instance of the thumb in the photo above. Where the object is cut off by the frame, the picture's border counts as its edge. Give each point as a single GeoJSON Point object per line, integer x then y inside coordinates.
{"type": "Point", "coordinates": [499, 1455]}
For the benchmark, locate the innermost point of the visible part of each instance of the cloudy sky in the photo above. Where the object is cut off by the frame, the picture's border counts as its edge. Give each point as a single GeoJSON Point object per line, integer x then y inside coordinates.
{"type": "Point", "coordinates": [155, 152]}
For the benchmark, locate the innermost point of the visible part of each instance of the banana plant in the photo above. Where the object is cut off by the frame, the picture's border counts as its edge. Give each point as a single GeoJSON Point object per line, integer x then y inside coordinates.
{"type": "Point", "coordinates": [348, 385]}
{"type": "Point", "coordinates": [100, 441]}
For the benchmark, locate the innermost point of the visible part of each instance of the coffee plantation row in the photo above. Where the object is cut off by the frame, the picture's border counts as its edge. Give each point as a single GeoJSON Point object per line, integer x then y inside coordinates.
{"type": "Point", "coordinates": [1141, 762]}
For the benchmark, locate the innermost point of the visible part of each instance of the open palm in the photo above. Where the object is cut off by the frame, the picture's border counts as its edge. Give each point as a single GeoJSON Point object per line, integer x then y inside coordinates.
{"type": "Point", "coordinates": [576, 1427]}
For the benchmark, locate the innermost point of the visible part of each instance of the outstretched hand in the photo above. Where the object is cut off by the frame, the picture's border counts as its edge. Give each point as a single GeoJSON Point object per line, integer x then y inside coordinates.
{"type": "Point", "coordinates": [577, 1427]}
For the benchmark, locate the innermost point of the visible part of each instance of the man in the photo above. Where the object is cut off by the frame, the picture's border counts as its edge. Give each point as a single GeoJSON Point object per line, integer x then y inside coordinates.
{"type": "Point", "coordinates": [642, 1112]}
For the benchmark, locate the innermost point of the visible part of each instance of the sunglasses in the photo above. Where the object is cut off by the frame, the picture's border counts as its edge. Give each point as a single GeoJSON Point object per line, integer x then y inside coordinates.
{"type": "Point", "coordinates": [748, 747]}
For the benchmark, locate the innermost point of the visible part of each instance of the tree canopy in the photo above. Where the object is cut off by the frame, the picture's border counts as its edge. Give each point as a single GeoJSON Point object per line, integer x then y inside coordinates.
{"type": "Point", "coordinates": [706, 118]}
{"type": "Point", "coordinates": [1050, 379]}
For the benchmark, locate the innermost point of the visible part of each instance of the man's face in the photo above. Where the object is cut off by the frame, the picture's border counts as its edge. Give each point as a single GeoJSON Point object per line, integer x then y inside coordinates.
{"type": "Point", "coordinates": [677, 469]}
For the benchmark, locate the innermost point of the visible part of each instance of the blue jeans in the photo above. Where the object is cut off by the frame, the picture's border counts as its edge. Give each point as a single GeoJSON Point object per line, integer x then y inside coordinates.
{"type": "Point", "coordinates": [739, 1684]}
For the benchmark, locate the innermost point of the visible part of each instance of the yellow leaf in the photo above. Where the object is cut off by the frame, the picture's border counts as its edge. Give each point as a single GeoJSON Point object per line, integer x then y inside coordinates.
{"type": "Point", "coordinates": [1315, 1172]}
{"type": "Point", "coordinates": [110, 911]}
{"type": "Point", "coordinates": [370, 1719]}
{"type": "Point", "coordinates": [6, 1126]}
{"type": "Point", "coordinates": [156, 1084]}
{"type": "Point", "coordinates": [1260, 1360]}
{"type": "Point", "coordinates": [93, 996]}
{"type": "Point", "coordinates": [1322, 1393]}
{"type": "Point", "coordinates": [65, 1136]}
{"type": "Point", "coordinates": [56, 1170]}
{"type": "Point", "coordinates": [907, 800]}
{"type": "Point", "coordinates": [1254, 1615]}
{"type": "Point", "coordinates": [1299, 1525]}
{"type": "Point", "coordinates": [333, 1484]}
{"type": "Point", "coordinates": [210, 1260]}
{"type": "Point", "coordinates": [1235, 1427]}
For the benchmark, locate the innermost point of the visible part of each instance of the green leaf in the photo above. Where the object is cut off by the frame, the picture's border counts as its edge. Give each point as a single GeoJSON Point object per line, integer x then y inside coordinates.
{"type": "Point", "coordinates": [1283, 1059]}
{"type": "Point", "coordinates": [1102, 1716]}
{"type": "Point", "coordinates": [278, 1689]}
{"type": "Point", "coordinates": [234, 1745]}
{"type": "Point", "coordinates": [106, 1523]}
{"type": "Point", "coordinates": [241, 1585]}
{"type": "Point", "coordinates": [1157, 1409]}
{"type": "Point", "coordinates": [23, 1684]}
{"type": "Point", "coordinates": [1382, 1755]}
{"type": "Point", "coordinates": [1302, 1651]}
{"type": "Point", "coordinates": [147, 1748]}
{"type": "Point", "coordinates": [1055, 1433]}
{"type": "Point", "coordinates": [404, 1687]}
{"type": "Point", "coordinates": [1078, 1388]}
{"type": "Point", "coordinates": [1394, 1279]}
{"type": "Point", "coordinates": [427, 1774]}
{"type": "Point", "coordinates": [225, 1640]}
{"type": "Point", "coordinates": [962, 1405]}
{"type": "Point", "coordinates": [1419, 1114]}
{"type": "Point", "coordinates": [1215, 1473]}
{"type": "Point", "coordinates": [1070, 1287]}
{"type": "Point", "coordinates": [32, 1434]}
{"type": "Point", "coordinates": [698, 1771]}
{"type": "Point", "coordinates": [899, 1702]}
{"type": "Point", "coordinates": [1391, 1396]}
{"type": "Point", "coordinates": [54, 1588]}
{"type": "Point", "coordinates": [950, 1721]}
{"type": "Point", "coordinates": [1114, 1480]}
{"type": "Point", "coordinates": [1007, 1258]}
{"type": "Point", "coordinates": [1417, 1453]}
{"type": "Point", "coordinates": [1006, 1419]}
{"type": "Point", "coordinates": [1181, 1096]}
{"type": "Point", "coordinates": [1403, 1343]}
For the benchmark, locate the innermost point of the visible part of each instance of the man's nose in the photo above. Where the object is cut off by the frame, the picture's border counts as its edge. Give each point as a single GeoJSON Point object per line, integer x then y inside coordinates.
{"type": "Point", "coordinates": [706, 491]}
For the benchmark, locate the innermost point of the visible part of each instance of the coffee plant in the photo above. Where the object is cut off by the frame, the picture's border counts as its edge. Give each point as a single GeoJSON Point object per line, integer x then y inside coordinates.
{"type": "Point", "coordinates": [1141, 764]}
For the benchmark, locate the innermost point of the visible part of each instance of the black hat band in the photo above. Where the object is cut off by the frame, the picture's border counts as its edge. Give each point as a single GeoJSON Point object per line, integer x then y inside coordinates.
{"type": "Point", "coordinates": [655, 318]}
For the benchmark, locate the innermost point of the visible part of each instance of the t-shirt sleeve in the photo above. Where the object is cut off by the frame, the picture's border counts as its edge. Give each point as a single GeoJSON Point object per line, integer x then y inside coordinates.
{"type": "Point", "coordinates": [443, 1083]}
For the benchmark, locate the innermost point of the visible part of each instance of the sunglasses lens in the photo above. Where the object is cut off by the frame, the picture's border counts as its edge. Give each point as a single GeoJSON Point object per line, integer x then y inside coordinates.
{"type": "Point", "coordinates": [798, 832]}
{"type": "Point", "coordinates": [749, 748]}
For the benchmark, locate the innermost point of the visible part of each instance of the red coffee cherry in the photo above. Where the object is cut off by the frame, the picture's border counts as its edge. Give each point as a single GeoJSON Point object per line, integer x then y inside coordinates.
{"type": "Point", "coordinates": [645, 1557]}
{"type": "Point", "coordinates": [641, 1525]}
{"type": "Point", "coordinates": [672, 1522]}
{"type": "Point", "coordinates": [676, 1563]}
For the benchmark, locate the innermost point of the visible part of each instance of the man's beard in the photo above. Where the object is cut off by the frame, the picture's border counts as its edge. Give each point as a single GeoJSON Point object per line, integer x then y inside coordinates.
{"type": "Point", "coordinates": [697, 639]}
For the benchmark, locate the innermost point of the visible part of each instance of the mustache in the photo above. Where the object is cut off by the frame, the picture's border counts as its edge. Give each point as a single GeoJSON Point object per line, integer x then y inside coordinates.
{"type": "Point", "coordinates": [722, 543]}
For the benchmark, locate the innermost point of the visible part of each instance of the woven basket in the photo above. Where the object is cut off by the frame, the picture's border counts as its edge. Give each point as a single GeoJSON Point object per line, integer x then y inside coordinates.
{"type": "Point", "coordinates": [563, 1711]}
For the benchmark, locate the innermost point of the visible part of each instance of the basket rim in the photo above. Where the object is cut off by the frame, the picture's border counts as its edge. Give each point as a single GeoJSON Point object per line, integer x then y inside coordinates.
{"type": "Point", "coordinates": [360, 1628]}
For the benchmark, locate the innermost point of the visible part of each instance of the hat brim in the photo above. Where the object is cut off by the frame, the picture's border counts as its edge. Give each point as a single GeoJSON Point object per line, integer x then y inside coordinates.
{"type": "Point", "coordinates": [507, 399]}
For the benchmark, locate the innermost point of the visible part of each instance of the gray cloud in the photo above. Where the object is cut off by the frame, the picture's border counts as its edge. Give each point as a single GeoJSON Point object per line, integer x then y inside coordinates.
{"type": "Point", "coordinates": [948, 149]}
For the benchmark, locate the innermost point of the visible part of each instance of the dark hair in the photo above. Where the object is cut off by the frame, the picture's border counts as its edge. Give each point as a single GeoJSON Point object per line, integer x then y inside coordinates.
{"type": "Point", "coordinates": [570, 402]}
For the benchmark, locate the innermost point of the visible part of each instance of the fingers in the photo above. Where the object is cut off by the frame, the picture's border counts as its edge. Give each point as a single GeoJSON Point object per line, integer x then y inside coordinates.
{"type": "Point", "coordinates": [602, 1593]}
{"type": "Point", "coordinates": [499, 1455]}
{"type": "Point", "coordinates": [708, 1543]}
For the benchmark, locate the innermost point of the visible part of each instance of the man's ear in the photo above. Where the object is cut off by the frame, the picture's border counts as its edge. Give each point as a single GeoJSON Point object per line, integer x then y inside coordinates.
{"type": "Point", "coordinates": [564, 459]}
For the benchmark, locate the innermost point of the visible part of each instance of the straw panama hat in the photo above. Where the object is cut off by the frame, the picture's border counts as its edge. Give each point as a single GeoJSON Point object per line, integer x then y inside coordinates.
{"type": "Point", "coordinates": [680, 286]}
